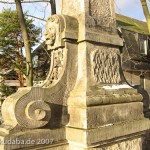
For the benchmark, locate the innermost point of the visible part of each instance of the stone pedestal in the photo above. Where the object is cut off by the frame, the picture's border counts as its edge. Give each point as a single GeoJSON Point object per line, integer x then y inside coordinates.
{"type": "Point", "coordinates": [84, 104]}
{"type": "Point", "coordinates": [103, 111]}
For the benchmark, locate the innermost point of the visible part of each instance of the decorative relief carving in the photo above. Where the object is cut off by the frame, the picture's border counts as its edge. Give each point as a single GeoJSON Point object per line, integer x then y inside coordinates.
{"type": "Point", "coordinates": [58, 61]}
{"type": "Point", "coordinates": [100, 11]}
{"type": "Point", "coordinates": [90, 22]}
{"type": "Point", "coordinates": [100, 8]}
{"type": "Point", "coordinates": [106, 66]}
{"type": "Point", "coordinates": [32, 113]}
{"type": "Point", "coordinates": [54, 29]}
{"type": "Point", "coordinates": [27, 108]}
{"type": "Point", "coordinates": [53, 32]}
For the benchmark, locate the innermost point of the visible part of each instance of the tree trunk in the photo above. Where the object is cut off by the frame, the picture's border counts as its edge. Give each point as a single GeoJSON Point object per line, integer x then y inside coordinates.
{"type": "Point", "coordinates": [29, 65]}
{"type": "Point", "coordinates": [146, 13]}
{"type": "Point", "coordinates": [20, 78]}
{"type": "Point", "coordinates": [53, 7]}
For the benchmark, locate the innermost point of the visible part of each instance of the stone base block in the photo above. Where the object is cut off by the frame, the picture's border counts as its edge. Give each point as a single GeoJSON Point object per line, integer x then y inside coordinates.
{"type": "Point", "coordinates": [97, 116]}
{"type": "Point", "coordinates": [99, 136]}
{"type": "Point", "coordinates": [130, 144]}
{"type": "Point", "coordinates": [30, 138]}
{"type": "Point", "coordinates": [57, 146]}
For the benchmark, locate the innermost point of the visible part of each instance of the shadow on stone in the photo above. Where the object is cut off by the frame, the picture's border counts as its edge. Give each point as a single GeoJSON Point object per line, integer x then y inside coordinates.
{"type": "Point", "coordinates": [146, 100]}
{"type": "Point", "coordinates": [146, 110]}
{"type": "Point", "coordinates": [59, 116]}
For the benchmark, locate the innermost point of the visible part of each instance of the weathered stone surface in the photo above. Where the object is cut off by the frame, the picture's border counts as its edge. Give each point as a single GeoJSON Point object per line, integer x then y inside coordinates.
{"type": "Point", "coordinates": [31, 107]}
{"type": "Point", "coordinates": [45, 107]}
{"type": "Point", "coordinates": [58, 146]}
{"type": "Point", "coordinates": [113, 99]}
{"type": "Point", "coordinates": [106, 65]}
{"type": "Point", "coordinates": [92, 11]}
{"type": "Point", "coordinates": [97, 136]}
{"type": "Point", "coordinates": [96, 116]}
{"type": "Point", "coordinates": [100, 90]}
{"type": "Point", "coordinates": [103, 38]}
{"type": "Point", "coordinates": [31, 138]}
{"type": "Point", "coordinates": [84, 48]}
{"type": "Point", "coordinates": [131, 144]}
{"type": "Point", "coordinates": [99, 96]}
{"type": "Point", "coordinates": [58, 29]}
{"type": "Point", "coordinates": [97, 34]}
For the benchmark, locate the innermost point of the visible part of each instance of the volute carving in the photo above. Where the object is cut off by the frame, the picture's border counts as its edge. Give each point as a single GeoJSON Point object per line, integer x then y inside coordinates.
{"type": "Point", "coordinates": [28, 109]}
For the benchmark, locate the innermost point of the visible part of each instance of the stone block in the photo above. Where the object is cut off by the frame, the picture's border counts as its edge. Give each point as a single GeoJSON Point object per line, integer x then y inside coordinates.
{"type": "Point", "coordinates": [56, 146]}
{"type": "Point", "coordinates": [130, 144]}
{"type": "Point", "coordinates": [99, 136]}
{"type": "Point", "coordinates": [113, 99]}
{"type": "Point", "coordinates": [32, 138]}
{"type": "Point", "coordinates": [97, 116]}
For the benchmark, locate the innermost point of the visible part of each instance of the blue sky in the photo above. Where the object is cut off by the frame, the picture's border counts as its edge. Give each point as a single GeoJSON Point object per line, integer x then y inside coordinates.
{"type": "Point", "coordinates": [131, 8]}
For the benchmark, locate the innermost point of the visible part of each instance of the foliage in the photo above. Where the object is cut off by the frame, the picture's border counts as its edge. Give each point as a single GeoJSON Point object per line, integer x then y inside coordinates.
{"type": "Point", "coordinates": [6, 91]}
{"type": "Point", "coordinates": [11, 40]}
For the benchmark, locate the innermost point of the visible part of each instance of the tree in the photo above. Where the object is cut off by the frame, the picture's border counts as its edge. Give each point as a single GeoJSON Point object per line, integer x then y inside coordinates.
{"type": "Point", "coordinates": [29, 65]}
{"type": "Point", "coordinates": [6, 91]}
{"type": "Point", "coordinates": [52, 3]}
{"type": "Point", "coordinates": [12, 43]}
{"type": "Point", "coordinates": [53, 7]}
{"type": "Point", "coordinates": [146, 13]}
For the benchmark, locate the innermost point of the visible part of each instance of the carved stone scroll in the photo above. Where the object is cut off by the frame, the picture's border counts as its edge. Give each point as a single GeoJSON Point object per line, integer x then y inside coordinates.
{"type": "Point", "coordinates": [36, 113]}
{"type": "Point", "coordinates": [29, 109]}
{"type": "Point", "coordinates": [106, 66]}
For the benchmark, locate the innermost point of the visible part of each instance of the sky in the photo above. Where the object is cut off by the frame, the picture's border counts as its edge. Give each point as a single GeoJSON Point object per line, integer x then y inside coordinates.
{"type": "Point", "coordinates": [131, 8]}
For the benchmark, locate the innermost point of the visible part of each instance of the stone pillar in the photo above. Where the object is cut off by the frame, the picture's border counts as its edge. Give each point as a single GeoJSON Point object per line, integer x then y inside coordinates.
{"type": "Point", "coordinates": [83, 103]}
{"type": "Point", "coordinates": [103, 109]}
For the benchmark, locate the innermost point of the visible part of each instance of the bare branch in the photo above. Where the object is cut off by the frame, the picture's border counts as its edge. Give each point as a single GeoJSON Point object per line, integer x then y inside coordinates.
{"type": "Point", "coordinates": [36, 1]}
{"type": "Point", "coordinates": [36, 17]}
